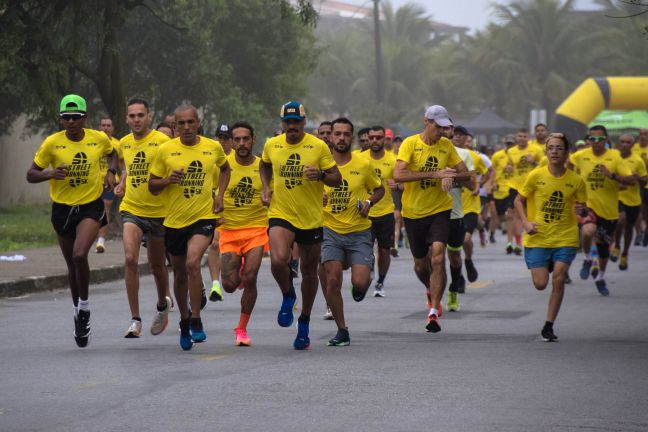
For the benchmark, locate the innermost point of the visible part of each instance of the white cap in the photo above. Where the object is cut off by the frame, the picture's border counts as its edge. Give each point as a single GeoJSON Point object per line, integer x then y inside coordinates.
{"type": "Point", "coordinates": [439, 114]}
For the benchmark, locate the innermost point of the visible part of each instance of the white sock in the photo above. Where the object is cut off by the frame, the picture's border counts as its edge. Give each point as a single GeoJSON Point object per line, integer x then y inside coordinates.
{"type": "Point", "coordinates": [84, 305]}
{"type": "Point", "coordinates": [600, 276]}
{"type": "Point", "coordinates": [101, 240]}
{"type": "Point", "coordinates": [588, 256]}
{"type": "Point", "coordinates": [433, 311]}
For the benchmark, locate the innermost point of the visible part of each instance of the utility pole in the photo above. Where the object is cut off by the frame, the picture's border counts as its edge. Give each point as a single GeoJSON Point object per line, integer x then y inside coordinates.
{"type": "Point", "coordinates": [379, 67]}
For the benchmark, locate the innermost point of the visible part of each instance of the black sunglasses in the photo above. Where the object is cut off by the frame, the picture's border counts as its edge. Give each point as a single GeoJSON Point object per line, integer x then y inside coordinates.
{"type": "Point", "coordinates": [74, 117]}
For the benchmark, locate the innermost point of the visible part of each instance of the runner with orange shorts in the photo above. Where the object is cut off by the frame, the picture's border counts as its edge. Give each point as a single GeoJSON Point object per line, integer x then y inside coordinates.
{"type": "Point", "coordinates": [243, 235]}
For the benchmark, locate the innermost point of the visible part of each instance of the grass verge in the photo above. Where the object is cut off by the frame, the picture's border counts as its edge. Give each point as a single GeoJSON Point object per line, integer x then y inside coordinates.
{"type": "Point", "coordinates": [25, 227]}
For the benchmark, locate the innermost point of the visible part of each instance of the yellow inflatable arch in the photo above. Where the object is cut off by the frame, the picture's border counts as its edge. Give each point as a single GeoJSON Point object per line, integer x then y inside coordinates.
{"type": "Point", "coordinates": [593, 96]}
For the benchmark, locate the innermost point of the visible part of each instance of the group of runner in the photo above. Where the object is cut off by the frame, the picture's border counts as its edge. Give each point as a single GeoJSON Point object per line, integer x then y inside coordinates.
{"type": "Point", "coordinates": [311, 200]}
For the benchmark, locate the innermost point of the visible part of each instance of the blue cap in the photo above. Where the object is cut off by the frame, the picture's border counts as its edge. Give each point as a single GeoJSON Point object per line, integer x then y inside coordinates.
{"type": "Point", "coordinates": [292, 110]}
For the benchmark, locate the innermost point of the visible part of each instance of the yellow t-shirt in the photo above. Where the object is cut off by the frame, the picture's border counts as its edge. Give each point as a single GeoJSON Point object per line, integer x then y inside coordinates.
{"type": "Point", "coordinates": [472, 203]}
{"type": "Point", "coordinates": [521, 166]}
{"type": "Point", "coordinates": [242, 201]}
{"type": "Point", "coordinates": [191, 200]}
{"type": "Point", "coordinates": [341, 213]}
{"type": "Point", "coordinates": [550, 204]}
{"type": "Point", "coordinates": [534, 142]}
{"type": "Point", "coordinates": [602, 191]}
{"type": "Point", "coordinates": [631, 195]}
{"type": "Point", "coordinates": [295, 199]}
{"type": "Point", "coordinates": [84, 181]}
{"type": "Point", "coordinates": [502, 178]}
{"type": "Point", "coordinates": [424, 197]}
{"type": "Point", "coordinates": [642, 152]}
{"type": "Point", "coordinates": [103, 163]}
{"type": "Point", "coordinates": [138, 156]}
{"type": "Point", "coordinates": [384, 169]}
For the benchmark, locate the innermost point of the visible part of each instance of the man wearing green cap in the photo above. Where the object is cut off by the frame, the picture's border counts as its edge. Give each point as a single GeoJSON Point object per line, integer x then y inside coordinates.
{"type": "Point", "coordinates": [70, 161]}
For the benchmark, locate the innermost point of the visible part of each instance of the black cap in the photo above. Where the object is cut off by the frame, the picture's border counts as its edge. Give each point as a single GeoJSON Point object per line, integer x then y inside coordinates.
{"type": "Point", "coordinates": [224, 130]}
{"type": "Point", "coordinates": [461, 130]}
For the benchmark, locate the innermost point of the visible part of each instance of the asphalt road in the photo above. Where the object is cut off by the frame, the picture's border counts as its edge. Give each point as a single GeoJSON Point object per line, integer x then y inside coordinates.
{"type": "Point", "coordinates": [487, 370]}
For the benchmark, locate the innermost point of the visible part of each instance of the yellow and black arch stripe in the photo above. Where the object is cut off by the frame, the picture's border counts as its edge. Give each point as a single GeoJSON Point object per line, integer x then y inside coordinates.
{"type": "Point", "coordinates": [593, 96]}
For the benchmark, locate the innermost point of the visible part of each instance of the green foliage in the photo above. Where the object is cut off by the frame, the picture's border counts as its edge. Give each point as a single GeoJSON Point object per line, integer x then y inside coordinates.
{"type": "Point", "coordinates": [25, 227]}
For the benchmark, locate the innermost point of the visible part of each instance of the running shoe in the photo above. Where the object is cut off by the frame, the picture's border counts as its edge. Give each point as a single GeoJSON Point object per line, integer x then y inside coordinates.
{"type": "Point", "coordinates": [492, 237]}
{"type": "Point", "coordinates": [471, 271]}
{"type": "Point", "coordinates": [394, 252]}
{"type": "Point", "coordinates": [585, 270]}
{"type": "Point", "coordinates": [461, 285]}
{"type": "Point", "coordinates": [216, 293]}
{"type": "Point", "coordinates": [294, 268]}
{"type": "Point", "coordinates": [509, 248]}
{"type": "Point", "coordinates": [639, 238]}
{"type": "Point", "coordinates": [241, 337]}
{"type": "Point", "coordinates": [378, 290]}
{"type": "Point", "coordinates": [203, 299]}
{"type": "Point", "coordinates": [302, 341]}
{"type": "Point", "coordinates": [285, 317]}
{"type": "Point", "coordinates": [101, 245]}
{"type": "Point", "coordinates": [482, 238]}
{"type": "Point", "coordinates": [161, 319]}
{"type": "Point", "coordinates": [82, 328]}
{"type": "Point", "coordinates": [356, 295]}
{"type": "Point", "coordinates": [340, 339]}
{"type": "Point", "coordinates": [197, 332]}
{"type": "Point", "coordinates": [433, 324]}
{"type": "Point", "coordinates": [400, 241]}
{"type": "Point", "coordinates": [548, 335]}
{"type": "Point", "coordinates": [134, 330]}
{"type": "Point", "coordinates": [517, 250]}
{"type": "Point", "coordinates": [453, 302]}
{"type": "Point", "coordinates": [185, 335]}
{"type": "Point", "coordinates": [171, 302]}
{"type": "Point", "coordinates": [328, 315]}
{"type": "Point", "coordinates": [602, 288]}
{"type": "Point", "coordinates": [614, 256]}
{"type": "Point", "coordinates": [568, 280]}
{"type": "Point", "coordinates": [623, 264]}
{"type": "Point", "coordinates": [595, 268]}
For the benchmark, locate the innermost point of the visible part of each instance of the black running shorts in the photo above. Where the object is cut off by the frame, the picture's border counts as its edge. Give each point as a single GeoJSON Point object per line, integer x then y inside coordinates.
{"type": "Point", "coordinates": [425, 231]}
{"type": "Point", "coordinates": [65, 218]}
{"type": "Point", "coordinates": [382, 229]}
{"type": "Point", "coordinates": [176, 239]}
{"type": "Point", "coordinates": [302, 236]}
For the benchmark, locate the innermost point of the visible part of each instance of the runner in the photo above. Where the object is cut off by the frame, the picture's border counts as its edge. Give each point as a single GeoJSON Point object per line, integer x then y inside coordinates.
{"type": "Point", "coordinates": [224, 137]}
{"type": "Point", "coordinates": [382, 214]}
{"type": "Point", "coordinates": [186, 166]}
{"type": "Point", "coordinates": [108, 196]}
{"type": "Point", "coordinates": [363, 140]}
{"type": "Point", "coordinates": [324, 132]}
{"type": "Point", "coordinates": [166, 129]}
{"type": "Point", "coordinates": [539, 136]}
{"type": "Point", "coordinates": [243, 235]}
{"type": "Point", "coordinates": [602, 170]}
{"type": "Point", "coordinates": [641, 149]}
{"type": "Point", "coordinates": [522, 159]}
{"type": "Point", "coordinates": [545, 205]}
{"type": "Point", "coordinates": [503, 174]}
{"type": "Point", "coordinates": [629, 200]}
{"type": "Point", "coordinates": [427, 164]}
{"type": "Point", "coordinates": [298, 165]}
{"type": "Point", "coordinates": [142, 213]}
{"type": "Point", "coordinates": [347, 230]}
{"type": "Point", "coordinates": [76, 184]}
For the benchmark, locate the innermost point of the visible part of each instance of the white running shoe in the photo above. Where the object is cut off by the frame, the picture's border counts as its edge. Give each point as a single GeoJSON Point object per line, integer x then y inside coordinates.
{"type": "Point", "coordinates": [161, 319]}
{"type": "Point", "coordinates": [328, 315]}
{"type": "Point", "coordinates": [134, 330]}
{"type": "Point", "coordinates": [101, 245]}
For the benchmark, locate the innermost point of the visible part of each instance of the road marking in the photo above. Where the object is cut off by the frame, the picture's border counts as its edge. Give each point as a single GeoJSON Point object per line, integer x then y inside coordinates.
{"type": "Point", "coordinates": [210, 358]}
{"type": "Point", "coordinates": [480, 284]}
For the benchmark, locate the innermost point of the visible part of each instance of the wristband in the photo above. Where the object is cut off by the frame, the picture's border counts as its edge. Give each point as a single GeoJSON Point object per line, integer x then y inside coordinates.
{"type": "Point", "coordinates": [112, 170]}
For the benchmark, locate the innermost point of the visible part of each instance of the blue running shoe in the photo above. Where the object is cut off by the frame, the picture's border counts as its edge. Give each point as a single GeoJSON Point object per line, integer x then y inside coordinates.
{"type": "Point", "coordinates": [602, 288]}
{"type": "Point", "coordinates": [585, 270]}
{"type": "Point", "coordinates": [185, 336]}
{"type": "Point", "coordinates": [285, 317]}
{"type": "Point", "coordinates": [302, 341]}
{"type": "Point", "coordinates": [197, 333]}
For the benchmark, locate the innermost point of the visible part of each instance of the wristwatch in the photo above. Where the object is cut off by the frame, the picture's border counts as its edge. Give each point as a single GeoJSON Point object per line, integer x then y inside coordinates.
{"type": "Point", "coordinates": [370, 203]}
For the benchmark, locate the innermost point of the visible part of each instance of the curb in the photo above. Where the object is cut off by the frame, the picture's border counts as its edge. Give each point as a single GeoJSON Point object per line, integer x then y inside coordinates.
{"type": "Point", "coordinates": [35, 284]}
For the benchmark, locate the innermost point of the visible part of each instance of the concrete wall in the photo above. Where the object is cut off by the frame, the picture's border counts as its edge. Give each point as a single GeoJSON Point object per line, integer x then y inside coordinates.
{"type": "Point", "coordinates": [16, 155]}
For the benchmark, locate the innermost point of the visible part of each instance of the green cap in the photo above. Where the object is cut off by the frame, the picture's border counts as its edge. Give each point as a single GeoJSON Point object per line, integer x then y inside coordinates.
{"type": "Point", "coordinates": [73, 102]}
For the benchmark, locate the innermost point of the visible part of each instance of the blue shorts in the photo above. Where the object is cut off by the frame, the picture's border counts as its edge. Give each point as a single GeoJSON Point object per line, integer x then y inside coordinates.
{"type": "Point", "coordinates": [538, 257]}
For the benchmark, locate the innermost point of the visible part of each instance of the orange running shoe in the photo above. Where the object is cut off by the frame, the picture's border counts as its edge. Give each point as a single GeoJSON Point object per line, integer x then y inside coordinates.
{"type": "Point", "coordinates": [242, 338]}
{"type": "Point", "coordinates": [433, 324]}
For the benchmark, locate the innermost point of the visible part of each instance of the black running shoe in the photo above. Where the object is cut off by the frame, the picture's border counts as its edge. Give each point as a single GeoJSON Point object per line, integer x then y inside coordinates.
{"type": "Point", "coordinates": [341, 338]}
{"type": "Point", "coordinates": [356, 295]}
{"type": "Point", "coordinates": [203, 299]}
{"type": "Point", "coordinates": [461, 285]}
{"type": "Point", "coordinates": [82, 328]}
{"type": "Point", "coordinates": [492, 238]}
{"type": "Point", "coordinates": [548, 335]}
{"type": "Point", "coordinates": [471, 271]}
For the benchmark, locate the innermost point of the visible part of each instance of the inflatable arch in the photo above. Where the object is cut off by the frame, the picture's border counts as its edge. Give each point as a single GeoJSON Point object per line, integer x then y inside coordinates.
{"type": "Point", "coordinates": [593, 96]}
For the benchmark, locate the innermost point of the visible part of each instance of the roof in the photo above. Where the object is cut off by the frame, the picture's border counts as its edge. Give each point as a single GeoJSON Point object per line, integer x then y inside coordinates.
{"type": "Point", "coordinates": [488, 122]}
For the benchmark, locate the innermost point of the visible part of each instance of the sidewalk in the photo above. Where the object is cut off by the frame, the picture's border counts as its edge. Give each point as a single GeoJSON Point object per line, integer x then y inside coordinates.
{"type": "Point", "coordinates": [45, 269]}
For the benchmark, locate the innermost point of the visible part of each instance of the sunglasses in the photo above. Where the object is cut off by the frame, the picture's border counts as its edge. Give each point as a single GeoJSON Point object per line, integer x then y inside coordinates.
{"type": "Point", "coordinates": [596, 138]}
{"type": "Point", "coordinates": [71, 117]}
{"type": "Point", "coordinates": [376, 137]}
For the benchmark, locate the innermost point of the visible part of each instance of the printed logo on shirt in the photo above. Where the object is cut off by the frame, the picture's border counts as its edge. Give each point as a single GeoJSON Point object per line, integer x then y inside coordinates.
{"type": "Point", "coordinates": [596, 179]}
{"type": "Point", "coordinates": [292, 171]}
{"type": "Point", "coordinates": [431, 165]}
{"type": "Point", "coordinates": [138, 170]}
{"type": "Point", "coordinates": [340, 197]}
{"type": "Point", "coordinates": [554, 207]}
{"type": "Point", "coordinates": [79, 170]}
{"type": "Point", "coordinates": [243, 192]}
{"type": "Point", "coordinates": [193, 179]}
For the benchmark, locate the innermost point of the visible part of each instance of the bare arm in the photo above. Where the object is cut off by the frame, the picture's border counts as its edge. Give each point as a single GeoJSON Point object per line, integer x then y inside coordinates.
{"type": "Point", "coordinates": [223, 181]}
{"type": "Point", "coordinates": [265, 170]}
{"type": "Point", "coordinates": [157, 184]}
{"type": "Point", "coordinates": [403, 174]}
{"type": "Point", "coordinates": [36, 174]}
{"type": "Point", "coordinates": [520, 207]}
{"type": "Point", "coordinates": [376, 196]}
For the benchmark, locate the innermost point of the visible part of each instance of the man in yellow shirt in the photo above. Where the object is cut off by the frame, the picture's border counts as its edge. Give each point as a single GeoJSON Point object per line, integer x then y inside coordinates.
{"type": "Point", "coordinates": [602, 170]}
{"type": "Point", "coordinates": [641, 149]}
{"type": "Point", "coordinates": [71, 161]}
{"type": "Point", "coordinates": [185, 169]}
{"type": "Point", "coordinates": [629, 200]}
{"type": "Point", "coordinates": [502, 175]}
{"type": "Point", "coordinates": [427, 164]}
{"type": "Point", "coordinates": [382, 214]}
{"type": "Point", "coordinates": [299, 165]}
{"type": "Point", "coordinates": [106, 125]}
{"type": "Point", "coordinates": [545, 204]}
{"type": "Point", "coordinates": [539, 136]}
{"type": "Point", "coordinates": [243, 234]}
{"type": "Point", "coordinates": [347, 230]}
{"type": "Point", "coordinates": [142, 214]}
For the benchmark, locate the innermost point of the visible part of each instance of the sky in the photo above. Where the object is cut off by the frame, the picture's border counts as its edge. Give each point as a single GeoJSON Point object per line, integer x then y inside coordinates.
{"type": "Point", "coordinates": [474, 14]}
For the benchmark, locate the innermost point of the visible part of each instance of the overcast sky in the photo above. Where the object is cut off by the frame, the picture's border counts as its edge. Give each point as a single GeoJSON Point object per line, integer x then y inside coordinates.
{"type": "Point", "coordinates": [474, 14]}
